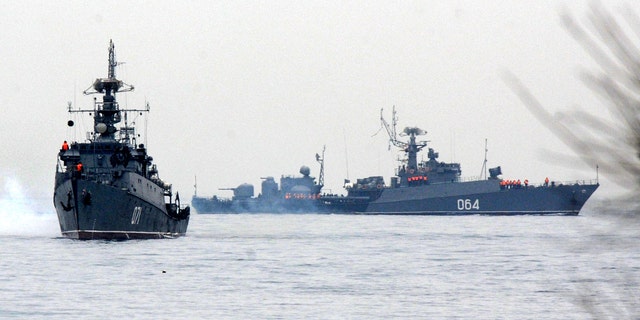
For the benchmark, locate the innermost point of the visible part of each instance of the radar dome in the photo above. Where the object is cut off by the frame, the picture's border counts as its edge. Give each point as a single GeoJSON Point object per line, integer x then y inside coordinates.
{"type": "Point", "coordinates": [101, 127]}
{"type": "Point", "coordinates": [305, 171]}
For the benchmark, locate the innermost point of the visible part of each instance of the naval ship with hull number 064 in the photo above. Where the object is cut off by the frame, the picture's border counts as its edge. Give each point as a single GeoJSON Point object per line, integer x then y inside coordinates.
{"type": "Point", "coordinates": [432, 187]}
{"type": "Point", "coordinates": [426, 187]}
{"type": "Point", "coordinates": [107, 186]}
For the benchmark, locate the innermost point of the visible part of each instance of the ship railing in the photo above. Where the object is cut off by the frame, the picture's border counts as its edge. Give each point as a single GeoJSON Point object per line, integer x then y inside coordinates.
{"type": "Point", "coordinates": [469, 178]}
{"type": "Point", "coordinates": [100, 175]}
{"type": "Point", "coordinates": [541, 184]}
{"type": "Point", "coordinates": [580, 182]}
{"type": "Point", "coordinates": [459, 179]}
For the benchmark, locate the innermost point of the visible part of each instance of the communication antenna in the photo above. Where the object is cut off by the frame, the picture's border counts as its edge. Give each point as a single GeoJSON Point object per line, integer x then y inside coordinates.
{"type": "Point", "coordinates": [410, 148]}
{"type": "Point", "coordinates": [483, 172]}
{"type": "Point", "coordinates": [346, 154]}
{"type": "Point", "coordinates": [195, 186]}
{"type": "Point", "coordinates": [146, 124]}
{"type": "Point", "coordinates": [320, 160]}
{"type": "Point", "coordinates": [391, 129]}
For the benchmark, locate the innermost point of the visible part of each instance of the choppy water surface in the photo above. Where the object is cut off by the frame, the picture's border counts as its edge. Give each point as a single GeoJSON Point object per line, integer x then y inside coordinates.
{"type": "Point", "coordinates": [330, 266]}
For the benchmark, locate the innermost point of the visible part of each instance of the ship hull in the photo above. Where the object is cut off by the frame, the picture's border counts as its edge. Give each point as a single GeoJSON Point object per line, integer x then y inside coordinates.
{"type": "Point", "coordinates": [112, 213]}
{"type": "Point", "coordinates": [255, 205]}
{"type": "Point", "coordinates": [481, 197]}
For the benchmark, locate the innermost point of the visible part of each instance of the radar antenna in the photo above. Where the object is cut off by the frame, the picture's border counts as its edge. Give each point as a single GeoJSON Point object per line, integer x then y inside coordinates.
{"type": "Point", "coordinates": [109, 84]}
{"type": "Point", "coordinates": [411, 148]}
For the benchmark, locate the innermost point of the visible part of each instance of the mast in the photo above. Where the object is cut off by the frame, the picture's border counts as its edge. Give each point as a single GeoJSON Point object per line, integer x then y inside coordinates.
{"type": "Point", "coordinates": [107, 114]}
{"type": "Point", "coordinates": [391, 130]}
{"type": "Point", "coordinates": [483, 171]}
{"type": "Point", "coordinates": [111, 72]}
{"type": "Point", "coordinates": [412, 147]}
{"type": "Point", "coordinates": [195, 186]}
{"type": "Point", "coordinates": [320, 160]}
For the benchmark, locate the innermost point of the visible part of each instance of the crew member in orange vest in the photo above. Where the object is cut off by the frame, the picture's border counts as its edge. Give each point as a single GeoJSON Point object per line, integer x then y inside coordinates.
{"type": "Point", "coordinates": [546, 181]}
{"type": "Point", "coordinates": [79, 167]}
{"type": "Point", "coordinates": [65, 146]}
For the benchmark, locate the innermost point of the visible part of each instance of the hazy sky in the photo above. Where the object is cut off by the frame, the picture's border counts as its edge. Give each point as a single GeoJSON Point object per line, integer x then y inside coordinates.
{"type": "Point", "coordinates": [241, 90]}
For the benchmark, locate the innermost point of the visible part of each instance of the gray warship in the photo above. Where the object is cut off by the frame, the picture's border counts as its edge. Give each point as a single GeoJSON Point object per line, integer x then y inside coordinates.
{"type": "Point", "coordinates": [426, 187]}
{"type": "Point", "coordinates": [295, 194]}
{"type": "Point", "coordinates": [107, 187]}
{"type": "Point", "coordinates": [432, 187]}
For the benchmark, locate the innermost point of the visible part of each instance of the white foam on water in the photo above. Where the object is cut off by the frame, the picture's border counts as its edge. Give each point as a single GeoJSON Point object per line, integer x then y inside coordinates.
{"type": "Point", "coordinates": [19, 214]}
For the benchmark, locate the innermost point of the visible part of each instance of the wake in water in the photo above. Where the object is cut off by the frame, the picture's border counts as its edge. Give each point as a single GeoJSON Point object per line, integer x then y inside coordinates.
{"type": "Point", "coordinates": [19, 216]}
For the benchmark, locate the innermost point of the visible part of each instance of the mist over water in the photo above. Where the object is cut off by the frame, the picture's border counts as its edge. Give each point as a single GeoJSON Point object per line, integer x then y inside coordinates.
{"type": "Point", "coordinates": [20, 215]}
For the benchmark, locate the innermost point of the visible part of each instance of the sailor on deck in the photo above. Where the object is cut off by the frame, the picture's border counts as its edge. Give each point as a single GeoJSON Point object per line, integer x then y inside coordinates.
{"type": "Point", "coordinates": [79, 169]}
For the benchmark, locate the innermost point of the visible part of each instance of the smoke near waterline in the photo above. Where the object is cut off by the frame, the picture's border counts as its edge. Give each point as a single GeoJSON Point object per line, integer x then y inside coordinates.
{"type": "Point", "coordinates": [19, 213]}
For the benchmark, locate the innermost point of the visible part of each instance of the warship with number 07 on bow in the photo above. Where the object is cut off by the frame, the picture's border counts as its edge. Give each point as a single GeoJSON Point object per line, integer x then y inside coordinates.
{"type": "Point", "coordinates": [107, 187]}
{"type": "Point", "coordinates": [432, 187]}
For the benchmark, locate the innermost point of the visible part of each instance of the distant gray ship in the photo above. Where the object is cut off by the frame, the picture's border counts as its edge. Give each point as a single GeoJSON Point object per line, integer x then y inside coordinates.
{"type": "Point", "coordinates": [107, 187]}
{"type": "Point", "coordinates": [428, 187]}
{"type": "Point", "coordinates": [432, 187]}
{"type": "Point", "coordinates": [295, 194]}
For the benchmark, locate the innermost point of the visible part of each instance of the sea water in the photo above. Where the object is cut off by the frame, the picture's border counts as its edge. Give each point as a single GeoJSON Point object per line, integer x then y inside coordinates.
{"type": "Point", "coordinates": [316, 266]}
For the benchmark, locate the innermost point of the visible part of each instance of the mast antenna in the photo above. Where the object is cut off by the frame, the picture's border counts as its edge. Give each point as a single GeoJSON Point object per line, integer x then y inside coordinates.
{"type": "Point", "coordinates": [112, 60]}
{"type": "Point", "coordinates": [346, 155]}
{"type": "Point", "coordinates": [195, 186]}
{"type": "Point", "coordinates": [412, 147]}
{"type": "Point", "coordinates": [320, 160]}
{"type": "Point", "coordinates": [483, 171]}
{"type": "Point", "coordinates": [391, 129]}
{"type": "Point", "coordinates": [109, 85]}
